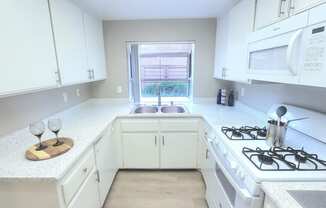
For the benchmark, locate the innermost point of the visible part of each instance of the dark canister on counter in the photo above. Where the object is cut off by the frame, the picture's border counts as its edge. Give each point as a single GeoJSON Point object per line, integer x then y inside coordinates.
{"type": "Point", "coordinates": [231, 98]}
{"type": "Point", "coordinates": [219, 97]}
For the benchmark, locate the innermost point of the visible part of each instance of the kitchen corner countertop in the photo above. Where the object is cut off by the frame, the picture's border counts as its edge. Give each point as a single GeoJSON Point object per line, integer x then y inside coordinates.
{"type": "Point", "coordinates": [296, 194]}
{"type": "Point", "coordinates": [85, 123]}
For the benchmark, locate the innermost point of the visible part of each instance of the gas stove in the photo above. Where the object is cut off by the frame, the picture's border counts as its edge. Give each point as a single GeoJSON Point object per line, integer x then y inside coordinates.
{"type": "Point", "coordinates": [245, 133]}
{"type": "Point", "coordinates": [244, 159]}
{"type": "Point", "coordinates": [284, 159]}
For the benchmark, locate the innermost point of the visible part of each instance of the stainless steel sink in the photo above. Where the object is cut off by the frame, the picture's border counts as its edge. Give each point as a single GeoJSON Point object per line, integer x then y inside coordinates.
{"type": "Point", "coordinates": [173, 109]}
{"type": "Point", "coordinates": [146, 109]}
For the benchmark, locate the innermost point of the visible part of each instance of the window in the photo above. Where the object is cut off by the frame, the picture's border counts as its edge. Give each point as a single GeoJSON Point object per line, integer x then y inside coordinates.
{"type": "Point", "coordinates": [162, 66]}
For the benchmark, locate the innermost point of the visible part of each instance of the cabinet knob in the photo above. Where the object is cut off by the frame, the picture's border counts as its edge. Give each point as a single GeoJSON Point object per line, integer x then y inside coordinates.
{"type": "Point", "coordinates": [85, 170]}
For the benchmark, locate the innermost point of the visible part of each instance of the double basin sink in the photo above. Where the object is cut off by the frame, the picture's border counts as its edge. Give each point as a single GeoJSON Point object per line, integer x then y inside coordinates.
{"type": "Point", "coordinates": [162, 109]}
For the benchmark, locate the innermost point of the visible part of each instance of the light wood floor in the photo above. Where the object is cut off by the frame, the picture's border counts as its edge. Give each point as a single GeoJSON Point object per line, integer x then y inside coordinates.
{"type": "Point", "coordinates": [157, 189]}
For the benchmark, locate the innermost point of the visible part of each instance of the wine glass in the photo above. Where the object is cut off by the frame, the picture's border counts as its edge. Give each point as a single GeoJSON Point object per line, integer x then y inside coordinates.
{"type": "Point", "coordinates": [55, 126]}
{"type": "Point", "coordinates": [38, 129]}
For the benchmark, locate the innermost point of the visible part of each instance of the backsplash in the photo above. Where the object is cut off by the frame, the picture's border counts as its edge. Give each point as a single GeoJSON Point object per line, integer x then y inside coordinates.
{"type": "Point", "coordinates": [18, 111]}
{"type": "Point", "coordinates": [262, 96]}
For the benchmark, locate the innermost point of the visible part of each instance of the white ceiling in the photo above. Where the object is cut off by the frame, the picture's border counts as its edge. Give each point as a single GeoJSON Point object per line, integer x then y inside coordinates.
{"type": "Point", "coordinates": [155, 9]}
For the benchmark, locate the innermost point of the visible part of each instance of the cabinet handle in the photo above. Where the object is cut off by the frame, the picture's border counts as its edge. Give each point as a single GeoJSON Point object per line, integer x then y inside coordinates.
{"type": "Point", "coordinates": [98, 179]}
{"type": "Point", "coordinates": [163, 140]}
{"type": "Point", "coordinates": [89, 74]}
{"type": "Point", "coordinates": [206, 154]}
{"type": "Point", "coordinates": [281, 12]}
{"type": "Point", "coordinates": [292, 6]}
{"type": "Point", "coordinates": [93, 74]}
{"type": "Point", "coordinates": [220, 205]}
{"type": "Point", "coordinates": [155, 140]}
{"type": "Point", "coordinates": [57, 76]}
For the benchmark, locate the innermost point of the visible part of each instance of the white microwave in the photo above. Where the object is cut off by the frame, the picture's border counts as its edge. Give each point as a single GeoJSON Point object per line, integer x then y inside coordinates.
{"type": "Point", "coordinates": [277, 58]}
{"type": "Point", "coordinates": [313, 61]}
{"type": "Point", "coordinates": [292, 51]}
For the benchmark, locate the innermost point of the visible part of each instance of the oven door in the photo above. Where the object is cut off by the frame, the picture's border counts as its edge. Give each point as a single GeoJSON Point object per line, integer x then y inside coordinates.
{"type": "Point", "coordinates": [276, 59]}
{"type": "Point", "coordinates": [228, 191]}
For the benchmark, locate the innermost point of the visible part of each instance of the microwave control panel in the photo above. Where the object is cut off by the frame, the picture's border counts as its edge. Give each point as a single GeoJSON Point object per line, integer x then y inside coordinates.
{"type": "Point", "coordinates": [314, 59]}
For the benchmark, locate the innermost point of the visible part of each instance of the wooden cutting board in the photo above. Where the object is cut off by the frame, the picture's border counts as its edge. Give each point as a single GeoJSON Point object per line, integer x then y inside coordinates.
{"type": "Point", "coordinates": [51, 151]}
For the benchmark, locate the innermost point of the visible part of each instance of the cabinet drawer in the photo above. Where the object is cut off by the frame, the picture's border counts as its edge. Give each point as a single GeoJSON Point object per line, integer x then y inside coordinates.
{"type": "Point", "coordinates": [73, 180]}
{"type": "Point", "coordinates": [139, 125]}
{"type": "Point", "coordinates": [179, 125]}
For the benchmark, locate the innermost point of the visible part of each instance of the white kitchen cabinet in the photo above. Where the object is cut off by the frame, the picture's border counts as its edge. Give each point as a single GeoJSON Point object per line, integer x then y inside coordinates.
{"type": "Point", "coordinates": [221, 46]}
{"type": "Point", "coordinates": [301, 5]}
{"type": "Point", "coordinates": [88, 196]}
{"type": "Point", "coordinates": [140, 150]}
{"type": "Point", "coordinates": [106, 162]}
{"type": "Point", "coordinates": [201, 154]}
{"type": "Point", "coordinates": [179, 150]}
{"type": "Point", "coordinates": [69, 34]}
{"type": "Point", "coordinates": [27, 52]}
{"type": "Point", "coordinates": [268, 12]}
{"type": "Point", "coordinates": [240, 18]}
{"type": "Point", "coordinates": [95, 47]}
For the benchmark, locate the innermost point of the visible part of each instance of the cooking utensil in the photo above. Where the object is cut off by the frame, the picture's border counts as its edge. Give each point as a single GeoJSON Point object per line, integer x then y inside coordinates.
{"type": "Point", "coordinates": [281, 111]}
{"type": "Point", "coordinates": [276, 131]}
{"type": "Point", "coordinates": [297, 119]}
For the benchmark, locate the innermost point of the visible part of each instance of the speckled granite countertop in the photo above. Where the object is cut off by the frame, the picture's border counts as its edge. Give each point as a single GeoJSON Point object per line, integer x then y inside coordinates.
{"type": "Point", "coordinates": [84, 123]}
{"type": "Point", "coordinates": [283, 194]}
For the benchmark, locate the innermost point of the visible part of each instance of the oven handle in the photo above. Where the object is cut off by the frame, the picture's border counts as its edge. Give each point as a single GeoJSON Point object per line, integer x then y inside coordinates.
{"type": "Point", "coordinates": [245, 195]}
{"type": "Point", "coordinates": [291, 49]}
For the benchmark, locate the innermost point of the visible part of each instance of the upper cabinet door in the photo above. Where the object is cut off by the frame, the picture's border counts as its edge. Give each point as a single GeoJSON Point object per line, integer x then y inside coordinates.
{"type": "Point", "coordinates": [240, 18]}
{"type": "Point", "coordinates": [221, 46]}
{"type": "Point", "coordinates": [301, 5]}
{"type": "Point", "coordinates": [268, 12]}
{"type": "Point", "coordinates": [95, 47]}
{"type": "Point", "coordinates": [27, 52]}
{"type": "Point", "coordinates": [68, 26]}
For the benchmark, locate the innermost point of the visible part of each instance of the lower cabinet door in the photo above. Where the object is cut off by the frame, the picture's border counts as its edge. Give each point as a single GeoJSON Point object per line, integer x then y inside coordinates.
{"type": "Point", "coordinates": [179, 150]}
{"type": "Point", "coordinates": [88, 196]}
{"type": "Point", "coordinates": [106, 162]}
{"type": "Point", "coordinates": [140, 150]}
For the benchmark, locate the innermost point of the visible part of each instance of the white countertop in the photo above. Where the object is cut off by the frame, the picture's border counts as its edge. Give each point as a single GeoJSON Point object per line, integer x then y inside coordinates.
{"type": "Point", "coordinates": [278, 192]}
{"type": "Point", "coordinates": [84, 123]}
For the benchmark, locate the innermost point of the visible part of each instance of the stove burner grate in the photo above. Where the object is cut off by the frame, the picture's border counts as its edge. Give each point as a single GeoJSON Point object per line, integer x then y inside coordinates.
{"type": "Point", "coordinates": [245, 133]}
{"type": "Point", "coordinates": [270, 160]}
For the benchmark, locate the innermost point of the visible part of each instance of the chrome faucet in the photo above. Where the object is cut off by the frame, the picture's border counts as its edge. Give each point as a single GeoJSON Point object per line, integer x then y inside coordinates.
{"type": "Point", "coordinates": [159, 99]}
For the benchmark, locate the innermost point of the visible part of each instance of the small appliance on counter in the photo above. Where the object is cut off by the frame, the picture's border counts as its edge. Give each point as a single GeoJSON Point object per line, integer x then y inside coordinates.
{"type": "Point", "coordinates": [50, 148]}
{"type": "Point", "coordinates": [225, 97]}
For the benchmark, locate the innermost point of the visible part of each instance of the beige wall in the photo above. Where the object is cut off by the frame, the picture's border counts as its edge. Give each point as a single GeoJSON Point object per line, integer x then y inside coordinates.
{"type": "Point", "coordinates": [18, 111]}
{"type": "Point", "coordinates": [117, 33]}
{"type": "Point", "coordinates": [262, 96]}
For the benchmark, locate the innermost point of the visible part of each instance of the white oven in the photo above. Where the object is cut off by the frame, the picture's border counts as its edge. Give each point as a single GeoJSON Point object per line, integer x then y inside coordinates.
{"type": "Point", "coordinates": [228, 186]}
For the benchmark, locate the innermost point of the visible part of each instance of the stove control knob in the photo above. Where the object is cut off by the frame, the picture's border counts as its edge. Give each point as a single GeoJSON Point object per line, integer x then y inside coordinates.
{"type": "Point", "coordinates": [234, 166]}
{"type": "Point", "coordinates": [241, 175]}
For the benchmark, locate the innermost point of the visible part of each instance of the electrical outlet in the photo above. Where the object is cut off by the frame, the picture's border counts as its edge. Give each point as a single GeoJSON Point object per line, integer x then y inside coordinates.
{"type": "Point", "coordinates": [78, 92]}
{"type": "Point", "coordinates": [119, 89]}
{"type": "Point", "coordinates": [65, 97]}
{"type": "Point", "coordinates": [242, 92]}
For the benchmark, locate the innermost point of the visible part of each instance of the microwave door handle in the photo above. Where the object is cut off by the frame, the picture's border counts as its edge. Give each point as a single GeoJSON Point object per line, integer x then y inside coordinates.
{"type": "Point", "coordinates": [291, 50]}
